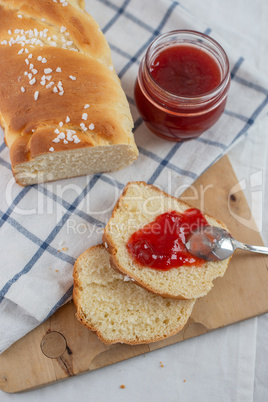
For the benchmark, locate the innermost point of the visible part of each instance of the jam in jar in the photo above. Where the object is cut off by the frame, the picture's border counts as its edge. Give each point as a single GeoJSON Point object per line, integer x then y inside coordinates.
{"type": "Point", "coordinates": [182, 84]}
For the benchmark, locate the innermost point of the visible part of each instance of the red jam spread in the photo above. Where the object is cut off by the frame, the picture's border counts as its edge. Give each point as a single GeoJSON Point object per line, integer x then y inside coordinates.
{"type": "Point", "coordinates": [161, 244]}
{"type": "Point", "coordinates": [186, 70]}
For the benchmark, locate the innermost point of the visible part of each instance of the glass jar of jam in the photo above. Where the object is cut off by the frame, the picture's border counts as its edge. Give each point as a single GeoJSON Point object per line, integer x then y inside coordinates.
{"type": "Point", "coordinates": [182, 84]}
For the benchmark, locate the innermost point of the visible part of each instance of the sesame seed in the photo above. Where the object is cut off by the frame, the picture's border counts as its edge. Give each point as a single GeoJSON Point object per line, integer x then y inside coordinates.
{"type": "Point", "coordinates": [61, 124]}
{"type": "Point", "coordinates": [43, 19]}
{"type": "Point", "coordinates": [19, 16]}
{"type": "Point", "coordinates": [26, 50]}
{"type": "Point", "coordinates": [36, 94]}
{"type": "Point", "coordinates": [67, 119]}
{"type": "Point", "coordinates": [33, 81]}
{"type": "Point", "coordinates": [84, 116]}
{"type": "Point", "coordinates": [69, 43]}
{"type": "Point", "coordinates": [39, 58]}
{"type": "Point", "coordinates": [64, 4]}
{"type": "Point", "coordinates": [51, 149]}
{"type": "Point", "coordinates": [61, 93]}
{"type": "Point", "coordinates": [63, 29]}
{"type": "Point", "coordinates": [55, 89]}
{"type": "Point", "coordinates": [57, 131]}
{"type": "Point", "coordinates": [47, 70]}
{"type": "Point", "coordinates": [25, 73]}
{"type": "Point", "coordinates": [31, 66]}
{"type": "Point", "coordinates": [34, 71]}
{"type": "Point", "coordinates": [83, 126]}
{"type": "Point", "coordinates": [43, 82]}
{"type": "Point", "coordinates": [56, 140]}
{"type": "Point", "coordinates": [27, 61]}
{"type": "Point", "coordinates": [44, 60]}
{"type": "Point", "coordinates": [86, 106]}
{"type": "Point", "coordinates": [21, 51]}
{"type": "Point", "coordinates": [30, 56]}
{"type": "Point", "coordinates": [61, 136]}
{"type": "Point", "coordinates": [48, 77]}
{"type": "Point", "coordinates": [9, 32]}
{"type": "Point", "coordinates": [30, 76]}
{"type": "Point", "coordinates": [4, 42]}
{"type": "Point", "coordinates": [91, 126]}
{"type": "Point", "coordinates": [22, 89]}
{"type": "Point", "coordinates": [65, 142]}
{"type": "Point", "coordinates": [111, 68]}
{"type": "Point", "coordinates": [58, 70]}
{"type": "Point", "coordinates": [72, 77]}
{"type": "Point", "coordinates": [54, 37]}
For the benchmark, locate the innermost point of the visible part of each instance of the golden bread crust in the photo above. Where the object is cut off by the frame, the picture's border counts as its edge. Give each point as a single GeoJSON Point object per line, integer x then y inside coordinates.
{"type": "Point", "coordinates": [35, 98]}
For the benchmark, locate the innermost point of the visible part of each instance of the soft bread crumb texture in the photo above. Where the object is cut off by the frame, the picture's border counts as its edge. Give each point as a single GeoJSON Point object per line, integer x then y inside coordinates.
{"type": "Point", "coordinates": [73, 163]}
{"type": "Point", "coordinates": [120, 311]}
{"type": "Point", "coordinates": [140, 204]}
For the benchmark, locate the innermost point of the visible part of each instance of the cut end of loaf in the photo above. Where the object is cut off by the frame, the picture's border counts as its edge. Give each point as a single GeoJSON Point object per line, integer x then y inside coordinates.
{"type": "Point", "coordinates": [77, 162]}
{"type": "Point", "coordinates": [118, 310]}
{"type": "Point", "coordinates": [140, 204]}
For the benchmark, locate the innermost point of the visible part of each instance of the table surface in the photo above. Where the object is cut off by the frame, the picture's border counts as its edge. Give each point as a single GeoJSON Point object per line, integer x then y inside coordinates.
{"type": "Point", "coordinates": [229, 364]}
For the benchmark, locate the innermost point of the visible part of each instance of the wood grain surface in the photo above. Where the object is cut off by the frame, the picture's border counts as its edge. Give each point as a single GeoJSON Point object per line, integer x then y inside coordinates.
{"type": "Point", "coordinates": [62, 347]}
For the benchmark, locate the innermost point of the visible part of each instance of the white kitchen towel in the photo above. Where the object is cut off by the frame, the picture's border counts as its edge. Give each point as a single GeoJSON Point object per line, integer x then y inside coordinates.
{"type": "Point", "coordinates": [45, 227]}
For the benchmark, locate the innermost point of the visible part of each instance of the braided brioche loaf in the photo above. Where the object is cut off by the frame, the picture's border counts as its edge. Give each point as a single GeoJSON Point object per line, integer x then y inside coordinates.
{"type": "Point", "coordinates": [61, 103]}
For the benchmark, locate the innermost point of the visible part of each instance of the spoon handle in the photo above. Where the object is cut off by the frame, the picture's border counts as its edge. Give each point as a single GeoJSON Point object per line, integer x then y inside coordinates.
{"type": "Point", "coordinates": [255, 249]}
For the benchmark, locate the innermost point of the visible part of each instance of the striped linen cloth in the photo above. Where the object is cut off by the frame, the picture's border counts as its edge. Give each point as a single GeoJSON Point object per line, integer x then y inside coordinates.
{"type": "Point", "coordinates": [45, 227]}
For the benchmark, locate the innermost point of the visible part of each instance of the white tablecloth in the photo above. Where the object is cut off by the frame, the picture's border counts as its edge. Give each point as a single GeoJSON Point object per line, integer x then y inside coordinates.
{"type": "Point", "coordinates": [228, 364]}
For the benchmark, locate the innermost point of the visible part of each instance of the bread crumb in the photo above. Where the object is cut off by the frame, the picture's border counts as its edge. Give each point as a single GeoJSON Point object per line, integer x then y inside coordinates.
{"type": "Point", "coordinates": [184, 380]}
{"type": "Point", "coordinates": [56, 270]}
{"type": "Point", "coordinates": [161, 364]}
{"type": "Point", "coordinates": [64, 248]}
{"type": "Point", "coordinates": [122, 386]}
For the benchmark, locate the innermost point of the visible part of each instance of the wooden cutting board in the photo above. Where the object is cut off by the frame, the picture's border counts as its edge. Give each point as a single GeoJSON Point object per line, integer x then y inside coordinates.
{"type": "Point", "coordinates": [62, 347]}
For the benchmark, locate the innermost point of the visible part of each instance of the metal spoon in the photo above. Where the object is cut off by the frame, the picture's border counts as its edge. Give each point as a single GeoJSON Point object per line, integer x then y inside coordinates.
{"type": "Point", "coordinates": [213, 244]}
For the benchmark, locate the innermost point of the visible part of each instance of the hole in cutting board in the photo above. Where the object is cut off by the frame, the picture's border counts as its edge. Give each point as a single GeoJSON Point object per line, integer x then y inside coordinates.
{"type": "Point", "coordinates": [53, 344]}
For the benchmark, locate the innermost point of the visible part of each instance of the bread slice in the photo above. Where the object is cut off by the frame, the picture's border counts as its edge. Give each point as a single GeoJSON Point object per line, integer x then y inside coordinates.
{"type": "Point", "coordinates": [62, 106]}
{"type": "Point", "coordinates": [118, 310]}
{"type": "Point", "coordinates": [140, 204]}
